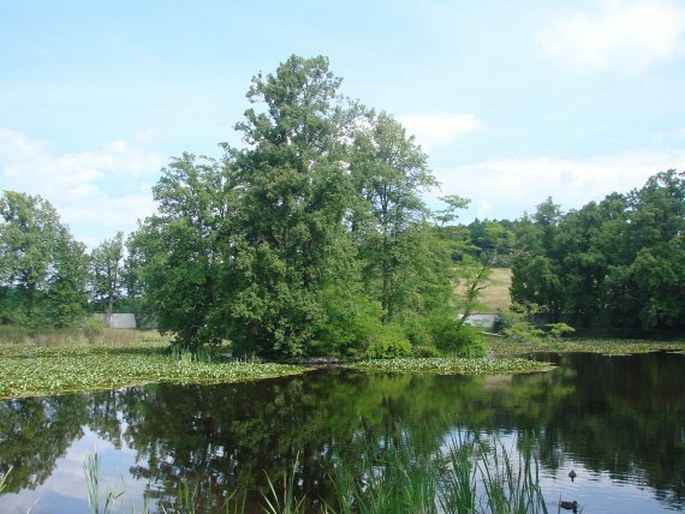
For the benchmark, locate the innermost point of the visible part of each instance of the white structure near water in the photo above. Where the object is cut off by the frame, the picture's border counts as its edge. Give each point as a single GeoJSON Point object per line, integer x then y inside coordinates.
{"type": "Point", "coordinates": [119, 319]}
{"type": "Point", "coordinates": [485, 321]}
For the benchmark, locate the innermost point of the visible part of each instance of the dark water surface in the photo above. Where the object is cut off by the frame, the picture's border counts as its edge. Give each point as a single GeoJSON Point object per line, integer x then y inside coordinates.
{"type": "Point", "coordinates": [619, 422]}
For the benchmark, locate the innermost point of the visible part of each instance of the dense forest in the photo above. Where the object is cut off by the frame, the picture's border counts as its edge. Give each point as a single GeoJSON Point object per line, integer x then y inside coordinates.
{"type": "Point", "coordinates": [617, 265]}
{"type": "Point", "coordinates": [314, 238]}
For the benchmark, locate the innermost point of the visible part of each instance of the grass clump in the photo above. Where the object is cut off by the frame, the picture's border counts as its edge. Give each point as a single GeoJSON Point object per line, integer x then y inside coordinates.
{"type": "Point", "coordinates": [91, 470]}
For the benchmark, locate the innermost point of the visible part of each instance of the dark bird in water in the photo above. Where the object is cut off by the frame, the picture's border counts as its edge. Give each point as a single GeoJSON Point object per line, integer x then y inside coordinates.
{"type": "Point", "coordinates": [565, 504]}
{"type": "Point", "coordinates": [572, 474]}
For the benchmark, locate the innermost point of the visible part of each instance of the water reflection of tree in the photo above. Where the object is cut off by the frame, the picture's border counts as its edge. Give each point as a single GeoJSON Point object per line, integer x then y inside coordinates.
{"type": "Point", "coordinates": [217, 439]}
{"type": "Point", "coordinates": [626, 427]}
{"type": "Point", "coordinates": [34, 433]}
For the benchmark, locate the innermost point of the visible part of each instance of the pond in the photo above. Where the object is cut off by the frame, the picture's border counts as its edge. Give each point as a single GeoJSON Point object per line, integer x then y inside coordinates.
{"type": "Point", "coordinates": [618, 422]}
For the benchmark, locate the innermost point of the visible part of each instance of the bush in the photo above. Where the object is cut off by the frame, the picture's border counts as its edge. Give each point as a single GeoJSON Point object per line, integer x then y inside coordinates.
{"type": "Point", "coordinates": [389, 343]}
{"type": "Point", "coordinates": [451, 336]}
{"type": "Point", "coordinates": [558, 330]}
{"type": "Point", "coordinates": [348, 326]}
{"type": "Point", "coordinates": [524, 331]}
{"type": "Point", "coordinates": [417, 331]}
{"type": "Point", "coordinates": [424, 352]}
{"type": "Point", "coordinates": [93, 329]}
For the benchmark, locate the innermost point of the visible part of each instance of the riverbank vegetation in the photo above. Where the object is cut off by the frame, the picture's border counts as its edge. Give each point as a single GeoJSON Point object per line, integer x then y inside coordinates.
{"type": "Point", "coordinates": [67, 362]}
{"type": "Point", "coordinates": [46, 362]}
{"type": "Point", "coordinates": [314, 239]}
{"type": "Point", "coordinates": [617, 265]}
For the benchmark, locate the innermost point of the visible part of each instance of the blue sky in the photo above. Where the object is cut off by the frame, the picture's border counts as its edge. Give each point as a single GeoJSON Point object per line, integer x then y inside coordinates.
{"type": "Point", "coordinates": [512, 101]}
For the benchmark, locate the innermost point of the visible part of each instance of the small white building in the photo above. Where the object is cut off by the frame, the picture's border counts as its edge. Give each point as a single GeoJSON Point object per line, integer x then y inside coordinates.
{"type": "Point", "coordinates": [119, 319]}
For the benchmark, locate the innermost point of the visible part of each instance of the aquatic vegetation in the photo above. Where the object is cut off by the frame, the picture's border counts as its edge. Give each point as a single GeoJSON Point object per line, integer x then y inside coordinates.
{"type": "Point", "coordinates": [39, 369]}
{"type": "Point", "coordinates": [91, 470]}
{"type": "Point", "coordinates": [505, 346]}
{"type": "Point", "coordinates": [453, 366]}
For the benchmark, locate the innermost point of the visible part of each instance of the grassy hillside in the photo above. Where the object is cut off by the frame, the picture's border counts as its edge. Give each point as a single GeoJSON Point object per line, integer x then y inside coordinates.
{"type": "Point", "coordinates": [495, 296]}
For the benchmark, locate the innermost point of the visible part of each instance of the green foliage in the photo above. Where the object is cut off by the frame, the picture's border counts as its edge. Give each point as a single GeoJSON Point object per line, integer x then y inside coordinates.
{"type": "Point", "coordinates": [615, 265]}
{"type": "Point", "coordinates": [513, 323]}
{"type": "Point", "coordinates": [524, 331]}
{"type": "Point", "coordinates": [535, 282]}
{"type": "Point", "coordinates": [352, 320]}
{"type": "Point", "coordinates": [403, 478]}
{"type": "Point", "coordinates": [75, 367]}
{"type": "Point", "coordinates": [454, 337]}
{"type": "Point", "coordinates": [93, 329]}
{"type": "Point", "coordinates": [425, 352]}
{"type": "Point", "coordinates": [452, 366]}
{"type": "Point", "coordinates": [389, 343]}
{"type": "Point", "coordinates": [106, 269]}
{"type": "Point", "coordinates": [557, 330]}
{"type": "Point", "coordinates": [311, 240]}
{"type": "Point", "coordinates": [42, 269]}
{"type": "Point", "coordinates": [472, 277]}
{"type": "Point", "coordinates": [286, 503]}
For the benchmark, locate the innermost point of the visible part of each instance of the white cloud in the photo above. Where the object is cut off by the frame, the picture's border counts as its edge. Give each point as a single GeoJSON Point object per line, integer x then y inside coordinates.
{"type": "Point", "coordinates": [146, 135]}
{"type": "Point", "coordinates": [621, 35]}
{"type": "Point", "coordinates": [436, 129]}
{"type": "Point", "coordinates": [97, 192]}
{"type": "Point", "coordinates": [508, 188]}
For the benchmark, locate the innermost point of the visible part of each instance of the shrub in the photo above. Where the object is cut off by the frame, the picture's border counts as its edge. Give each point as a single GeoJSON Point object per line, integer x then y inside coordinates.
{"type": "Point", "coordinates": [558, 330]}
{"type": "Point", "coordinates": [451, 336]}
{"type": "Point", "coordinates": [417, 331]}
{"type": "Point", "coordinates": [424, 352]}
{"type": "Point", "coordinates": [93, 329]}
{"type": "Point", "coordinates": [389, 343]}
{"type": "Point", "coordinates": [524, 331]}
{"type": "Point", "coordinates": [349, 325]}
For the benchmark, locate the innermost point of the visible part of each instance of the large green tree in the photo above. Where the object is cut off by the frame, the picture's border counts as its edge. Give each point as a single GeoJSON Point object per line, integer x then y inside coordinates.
{"type": "Point", "coordinates": [106, 268]}
{"type": "Point", "coordinates": [389, 170]}
{"type": "Point", "coordinates": [306, 241]}
{"type": "Point", "coordinates": [294, 193]}
{"type": "Point", "coordinates": [42, 269]}
{"type": "Point", "coordinates": [182, 254]}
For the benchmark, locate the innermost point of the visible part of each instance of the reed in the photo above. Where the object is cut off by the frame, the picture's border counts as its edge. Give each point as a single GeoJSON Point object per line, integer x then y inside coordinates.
{"type": "Point", "coordinates": [3, 479]}
{"type": "Point", "coordinates": [285, 501]}
{"type": "Point", "coordinates": [91, 469]}
{"type": "Point", "coordinates": [468, 475]}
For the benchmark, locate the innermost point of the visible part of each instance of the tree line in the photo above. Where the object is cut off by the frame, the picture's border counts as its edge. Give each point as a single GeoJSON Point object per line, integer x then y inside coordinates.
{"type": "Point", "coordinates": [617, 265]}
{"type": "Point", "coordinates": [313, 239]}
{"type": "Point", "coordinates": [47, 278]}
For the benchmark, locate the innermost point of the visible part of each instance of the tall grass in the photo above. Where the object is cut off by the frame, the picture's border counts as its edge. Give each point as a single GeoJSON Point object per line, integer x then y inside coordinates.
{"type": "Point", "coordinates": [468, 475]}
{"type": "Point", "coordinates": [3, 479]}
{"type": "Point", "coordinates": [285, 501]}
{"type": "Point", "coordinates": [91, 469]}
{"type": "Point", "coordinates": [14, 334]}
